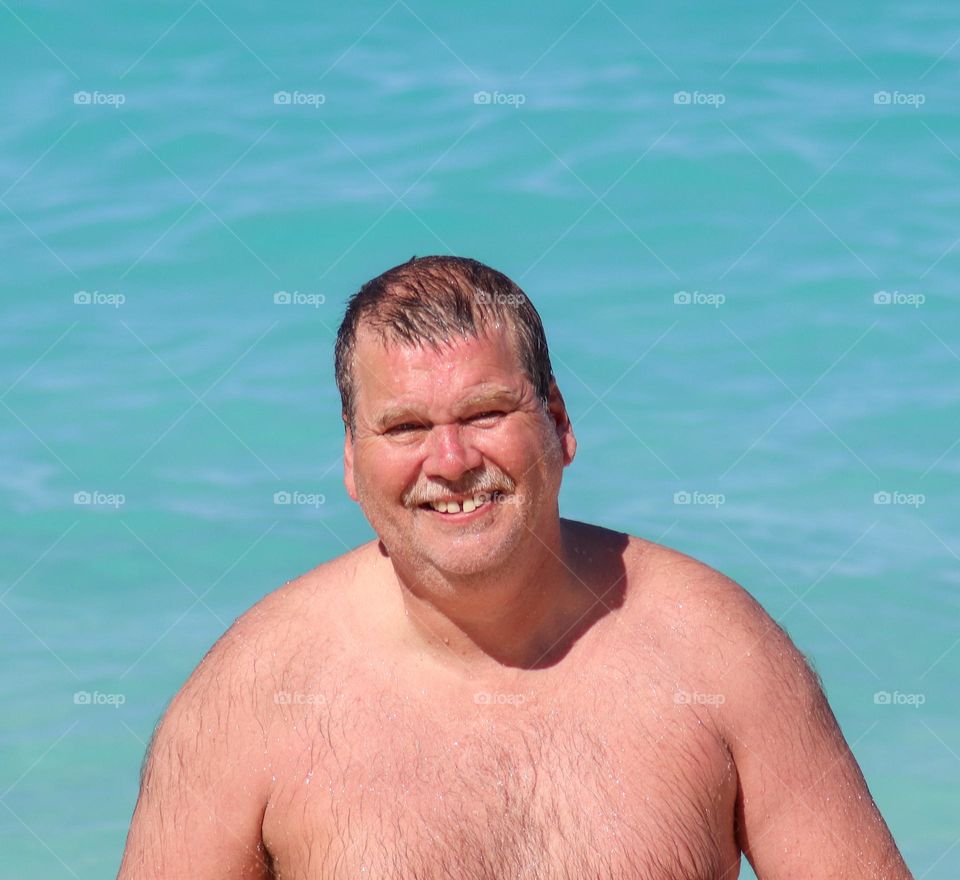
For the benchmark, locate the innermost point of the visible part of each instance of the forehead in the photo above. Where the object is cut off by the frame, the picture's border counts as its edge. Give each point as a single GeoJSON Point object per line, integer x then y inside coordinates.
{"type": "Point", "coordinates": [391, 373]}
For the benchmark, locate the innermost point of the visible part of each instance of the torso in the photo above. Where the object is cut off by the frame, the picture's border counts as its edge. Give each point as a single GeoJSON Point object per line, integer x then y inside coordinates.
{"type": "Point", "coordinates": [587, 769]}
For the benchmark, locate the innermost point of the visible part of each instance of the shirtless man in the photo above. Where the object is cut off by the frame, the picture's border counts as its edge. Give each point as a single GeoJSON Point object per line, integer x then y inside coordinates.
{"type": "Point", "coordinates": [489, 691]}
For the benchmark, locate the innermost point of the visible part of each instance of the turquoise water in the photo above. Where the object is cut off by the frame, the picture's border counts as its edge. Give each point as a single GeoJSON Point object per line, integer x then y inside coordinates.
{"type": "Point", "coordinates": [780, 201]}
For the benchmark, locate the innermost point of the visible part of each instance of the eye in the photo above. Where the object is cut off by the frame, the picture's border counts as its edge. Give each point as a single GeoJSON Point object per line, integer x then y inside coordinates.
{"type": "Point", "coordinates": [489, 415]}
{"type": "Point", "coordinates": [405, 428]}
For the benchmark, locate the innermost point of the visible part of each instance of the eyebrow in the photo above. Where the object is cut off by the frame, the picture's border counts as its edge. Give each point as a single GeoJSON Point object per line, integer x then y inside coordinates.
{"type": "Point", "coordinates": [400, 413]}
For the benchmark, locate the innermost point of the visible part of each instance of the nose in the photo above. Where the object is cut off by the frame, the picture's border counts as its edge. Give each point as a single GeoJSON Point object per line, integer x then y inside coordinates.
{"type": "Point", "coordinates": [449, 455]}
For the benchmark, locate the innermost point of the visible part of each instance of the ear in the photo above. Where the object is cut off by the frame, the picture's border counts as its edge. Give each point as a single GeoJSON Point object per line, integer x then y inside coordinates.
{"type": "Point", "coordinates": [561, 421]}
{"type": "Point", "coordinates": [348, 478]}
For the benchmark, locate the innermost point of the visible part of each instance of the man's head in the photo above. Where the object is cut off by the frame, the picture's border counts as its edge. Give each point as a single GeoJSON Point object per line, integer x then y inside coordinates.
{"type": "Point", "coordinates": [448, 395]}
{"type": "Point", "coordinates": [429, 301]}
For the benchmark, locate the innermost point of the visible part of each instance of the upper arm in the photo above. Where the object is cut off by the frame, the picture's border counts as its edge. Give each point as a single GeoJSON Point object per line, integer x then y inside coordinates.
{"type": "Point", "coordinates": [203, 785]}
{"type": "Point", "coordinates": [803, 806]}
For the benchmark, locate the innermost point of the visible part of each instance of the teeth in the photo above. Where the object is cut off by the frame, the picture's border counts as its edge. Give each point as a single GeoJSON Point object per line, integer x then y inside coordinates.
{"type": "Point", "coordinates": [469, 504]}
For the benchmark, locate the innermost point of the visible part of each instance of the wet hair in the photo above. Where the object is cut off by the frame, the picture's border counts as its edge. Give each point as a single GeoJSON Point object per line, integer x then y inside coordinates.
{"type": "Point", "coordinates": [432, 300]}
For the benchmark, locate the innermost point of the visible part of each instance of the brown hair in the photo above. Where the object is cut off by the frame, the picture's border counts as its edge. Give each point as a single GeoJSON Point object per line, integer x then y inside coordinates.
{"type": "Point", "coordinates": [430, 300]}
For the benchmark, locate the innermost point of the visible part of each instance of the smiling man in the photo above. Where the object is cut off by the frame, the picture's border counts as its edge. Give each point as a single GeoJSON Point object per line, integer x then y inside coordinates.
{"type": "Point", "coordinates": [488, 690]}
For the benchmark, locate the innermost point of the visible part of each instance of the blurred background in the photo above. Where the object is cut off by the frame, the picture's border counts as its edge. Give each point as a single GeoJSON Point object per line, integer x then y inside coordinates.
{"type": "Point", "coordinates": [739, 225]}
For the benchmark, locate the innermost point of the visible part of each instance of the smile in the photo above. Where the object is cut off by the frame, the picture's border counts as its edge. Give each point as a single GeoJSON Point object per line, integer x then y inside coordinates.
{"type": "Point", "coordinates": [461, 505]}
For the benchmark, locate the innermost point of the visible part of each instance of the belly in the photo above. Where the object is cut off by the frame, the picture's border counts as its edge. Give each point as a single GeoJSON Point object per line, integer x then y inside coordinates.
{"type": "Point", "coordinates": [506, 792]}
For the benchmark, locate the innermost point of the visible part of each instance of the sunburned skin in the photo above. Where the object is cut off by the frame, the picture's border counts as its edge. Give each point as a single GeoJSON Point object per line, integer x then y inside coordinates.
{"type": "Point", "coordinates": [587, 768]}
{"type": "Point", "coordinates": [498, 693]}
{"type": "Point", "coordinates": [335, 753]}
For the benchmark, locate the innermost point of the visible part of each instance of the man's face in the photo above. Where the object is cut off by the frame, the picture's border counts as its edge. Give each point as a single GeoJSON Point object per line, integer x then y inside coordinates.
{"type": "Point", "coordinates": [463, 425]}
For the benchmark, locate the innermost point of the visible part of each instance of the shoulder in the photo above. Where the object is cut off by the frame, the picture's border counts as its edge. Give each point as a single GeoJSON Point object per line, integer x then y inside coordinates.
{"type": "Point", "coordinates": [247, 663]}
{"type": "Point", "coordinates": [227, 701]}
{"type": "Point", "coordinates": [210, 766]}
{"type": "Point", "coordinates": [699, 595]}
{"type": "Point", "coordinates": [309, 590]}
{"type": "Point", "coordinates": [801, 795]}
{"type": "Point", "coordinates": [721, 632]}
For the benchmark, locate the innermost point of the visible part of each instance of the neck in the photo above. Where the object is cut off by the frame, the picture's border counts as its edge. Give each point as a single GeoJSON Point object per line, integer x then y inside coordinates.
{"type": "Point", "coordinates": [519, 615]}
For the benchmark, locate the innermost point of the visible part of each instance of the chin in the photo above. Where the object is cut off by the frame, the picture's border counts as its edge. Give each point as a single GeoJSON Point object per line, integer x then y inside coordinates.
{"type": "Point", "coordinates": [464, 564]}
{"type": "Point", "coordinates": [464, 553]}
{"type": "Point", "coordinates": [469, 555]}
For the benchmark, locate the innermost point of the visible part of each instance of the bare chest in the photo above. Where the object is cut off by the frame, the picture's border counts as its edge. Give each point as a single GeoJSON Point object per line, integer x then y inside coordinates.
{"type": "Point", "coordinates": [596, 780]}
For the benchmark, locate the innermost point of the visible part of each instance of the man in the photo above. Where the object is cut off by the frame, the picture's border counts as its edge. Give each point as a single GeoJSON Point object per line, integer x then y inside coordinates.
{"type": "Point", "coordinates": [488, 690]}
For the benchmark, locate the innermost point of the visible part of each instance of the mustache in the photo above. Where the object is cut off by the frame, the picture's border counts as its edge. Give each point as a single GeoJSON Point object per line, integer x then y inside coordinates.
{"type": "Point", "coordinates": [487, 482]}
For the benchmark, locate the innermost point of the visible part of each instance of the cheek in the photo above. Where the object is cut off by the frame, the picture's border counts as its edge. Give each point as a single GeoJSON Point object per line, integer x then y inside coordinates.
{"type": "Point", "coordinates": [385, 471]}
{"type": "Point", "coordinates": [513, 451]}
{"type": "Point", "coordinates": [538, 448]}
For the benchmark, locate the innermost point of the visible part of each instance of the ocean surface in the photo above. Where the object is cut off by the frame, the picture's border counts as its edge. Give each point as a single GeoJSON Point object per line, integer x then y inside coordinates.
{"type": "Point", "coordinates": [740, 226]}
